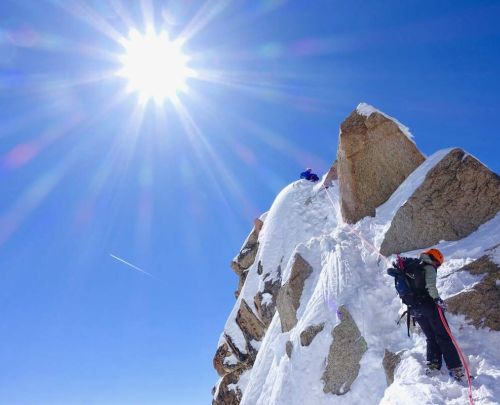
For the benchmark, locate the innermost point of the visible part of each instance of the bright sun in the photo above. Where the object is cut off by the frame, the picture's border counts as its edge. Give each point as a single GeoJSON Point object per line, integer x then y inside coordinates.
{"type": "Point", "coordinates": [154, 65]}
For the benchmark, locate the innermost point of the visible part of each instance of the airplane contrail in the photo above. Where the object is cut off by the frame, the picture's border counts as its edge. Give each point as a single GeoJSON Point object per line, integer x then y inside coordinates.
{"type": "Point", "coordinates": [131, 265]}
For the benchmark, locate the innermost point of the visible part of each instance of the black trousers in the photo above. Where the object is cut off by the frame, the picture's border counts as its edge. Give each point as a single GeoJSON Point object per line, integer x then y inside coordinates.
{"type": "Point", "coordinates": [439, 343]}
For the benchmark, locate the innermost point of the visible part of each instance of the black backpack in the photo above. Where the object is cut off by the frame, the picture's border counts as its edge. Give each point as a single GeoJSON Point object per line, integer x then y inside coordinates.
{"type": "Point", "coordinates": [409, 280]}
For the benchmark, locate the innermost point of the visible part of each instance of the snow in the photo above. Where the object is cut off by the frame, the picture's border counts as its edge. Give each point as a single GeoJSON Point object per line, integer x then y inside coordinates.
{"type": "Point", "coordinates": [349, 271]}
{"type": "Point", "coordinates": [267, 299]}
{"type": "Point", "coordinates": [367, 110]}
{"type": "Point", "coordinates": [495, 253]}
{"type": "Point", "coordinates": [230, 360]}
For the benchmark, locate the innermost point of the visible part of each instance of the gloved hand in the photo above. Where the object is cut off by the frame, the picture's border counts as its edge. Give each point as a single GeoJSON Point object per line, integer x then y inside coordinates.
{"type": "Point", "coordinates": [441, 304]}
{"type": "Point", "coordinates": [394, 272]}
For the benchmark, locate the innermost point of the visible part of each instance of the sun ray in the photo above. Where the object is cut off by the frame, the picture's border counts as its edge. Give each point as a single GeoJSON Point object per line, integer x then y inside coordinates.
{"type": "Point", "coordinates": [34, 195]}
{"type": "Point", "coordinates": [272, 139]}
{"type": "Point", "coordinates": [194, 135]}
{"type": "Point", "coordinates": [147, 10]}
{"type": "Point", "coordinates": [23, 153]}
{"type": "Point", "coordinates": [219, 173]}
{"type": "Point", "coordinates": [207, 12]}
{"type": "Point", "coordinates": [87, 14]}
{"type": "Point", "coordinates": [254, 83]}
{"type": "Point", "coordinates": [122, 12]}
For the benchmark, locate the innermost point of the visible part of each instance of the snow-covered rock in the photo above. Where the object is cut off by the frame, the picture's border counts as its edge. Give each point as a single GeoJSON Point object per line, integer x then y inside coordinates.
{"type": "Point", "coordinates": [265, 300]}
{"type": "Point", "coordinates": [335, 340]}
{"type": "Point", "coordinates": [224, 360]}
{"type": "Point", "coordinates": [228, 390]}
{"type": "Point", "coordinates": [246, 256]}
{"type": "Point", "coordinates": [375, 155]}
{"type": "Point", "coordinates": [480, 304]}
{"type": "Point", "coordinates": [457, 195]}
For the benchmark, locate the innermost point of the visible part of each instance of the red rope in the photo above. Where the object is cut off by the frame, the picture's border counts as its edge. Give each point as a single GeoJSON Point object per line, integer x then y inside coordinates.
{"type": "Point", "coordinates": [462, 357]}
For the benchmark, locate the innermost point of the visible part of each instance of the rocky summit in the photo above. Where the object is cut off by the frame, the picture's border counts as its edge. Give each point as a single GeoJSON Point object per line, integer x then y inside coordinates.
{"type": "Point", "coordinates": [314, 318]}
{"type": "Point", "coordinates": [374, 156]}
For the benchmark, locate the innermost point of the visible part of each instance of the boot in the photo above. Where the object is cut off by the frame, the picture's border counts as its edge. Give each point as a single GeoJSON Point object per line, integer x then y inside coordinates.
{"type": "Point", "coordinates": [432, 368]}
{"type": "Point", "coordinates": [457, 373]}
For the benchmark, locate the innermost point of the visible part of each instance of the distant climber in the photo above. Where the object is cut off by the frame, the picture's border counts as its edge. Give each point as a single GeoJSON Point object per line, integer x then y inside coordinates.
{"type": "Point", "coordinates": [415, 281]}
{"type": "Point", "coordinates": [309, 175]}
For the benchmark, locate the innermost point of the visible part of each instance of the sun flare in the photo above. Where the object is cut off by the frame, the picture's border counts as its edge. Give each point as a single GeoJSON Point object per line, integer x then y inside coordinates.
{"type": "Point", "coordinates": [155, 66]}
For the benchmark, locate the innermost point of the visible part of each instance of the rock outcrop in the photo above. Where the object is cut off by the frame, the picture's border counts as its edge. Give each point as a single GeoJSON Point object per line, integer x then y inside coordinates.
{"type": "Point", "coordinates": [344, 356]}
{"type": "Point", "coordinates": [227, 392]}
{"type": "Point", "coordinates": [289, 348]}
{"type": "Point", "coordinates": [230, 360]}
{"type": "Point", "coordinates": [481, 305]}
{"type": "Point", "coordinates": [289, 295]}
{"type": "Point", "coordinates": [222, 355]}
{"type": "Point", "coordinates": [241, 355]}
{"type": "Point", "coordinates": [251, 326]}
{"type": "Point", "coordinates": [456, 197]}
{"type": "Point", "coordinates": [247, 254]}
{"type": "Point", "coordinates": [331, 176]}
{"type": "Point", "coordinates": [390, 362]}
{"type": "Point", "coordinates": [265, 300]}
{"type": "Point", "coordinates": [374, 157]}
{"type": "Point", "coordinates": [308, 334]}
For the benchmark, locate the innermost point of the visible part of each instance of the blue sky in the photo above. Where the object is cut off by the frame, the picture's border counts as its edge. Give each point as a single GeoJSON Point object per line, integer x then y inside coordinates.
{"type": "Point", "coordinates": [86, 173]}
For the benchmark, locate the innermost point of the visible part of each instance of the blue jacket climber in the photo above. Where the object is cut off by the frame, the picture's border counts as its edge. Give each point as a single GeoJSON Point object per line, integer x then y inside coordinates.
{"type": "Point", "coordinates": [309, 175]}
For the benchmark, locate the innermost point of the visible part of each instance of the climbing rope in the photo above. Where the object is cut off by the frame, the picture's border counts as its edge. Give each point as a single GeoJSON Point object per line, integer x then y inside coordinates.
{"type": "Point", "coordinates": [462, 357]}
{"type": "Point", "coordinates": [354, 232]}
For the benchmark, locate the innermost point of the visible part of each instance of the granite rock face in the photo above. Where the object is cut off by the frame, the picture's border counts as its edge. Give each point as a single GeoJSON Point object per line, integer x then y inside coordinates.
{"type": "Point", "coordinates": [481, 305]}
{"type": "Point", "coordinates": [374, 157]}
{"type": "Point", "coordinates": [345, 353]}
{"type": "Point", "coordinates": [289, 295]}
{"type": "Point", "coordinates": [456, 197]}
